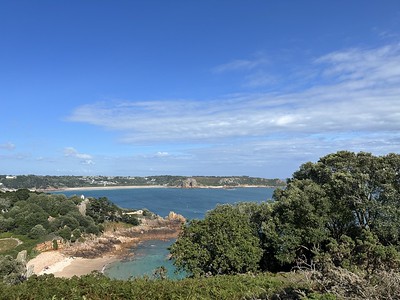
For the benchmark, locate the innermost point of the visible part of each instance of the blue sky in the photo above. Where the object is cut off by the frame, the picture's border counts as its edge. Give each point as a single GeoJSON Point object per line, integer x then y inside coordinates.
{"type": "Point", "coordinates": [195, 87]}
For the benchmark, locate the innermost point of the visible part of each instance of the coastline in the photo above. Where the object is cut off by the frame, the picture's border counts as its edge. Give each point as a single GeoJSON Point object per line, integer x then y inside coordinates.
{"type": "Point", "coordinates": [120, 187]}
{"type": "Point", "coordinates": [61, 265]}
{"type": "Point", "coordinates": [99, 251]}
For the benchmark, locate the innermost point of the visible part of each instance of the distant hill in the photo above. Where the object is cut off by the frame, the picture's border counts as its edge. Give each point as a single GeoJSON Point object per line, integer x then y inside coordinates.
{"type": "Point", "coordinates": [37, 182]}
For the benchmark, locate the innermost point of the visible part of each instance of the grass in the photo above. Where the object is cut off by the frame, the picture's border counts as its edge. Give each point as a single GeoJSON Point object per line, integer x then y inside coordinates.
{"type": "Point", "coordinates": [8, 244]}
{"type": "Point", "coordinates": [12, 247]}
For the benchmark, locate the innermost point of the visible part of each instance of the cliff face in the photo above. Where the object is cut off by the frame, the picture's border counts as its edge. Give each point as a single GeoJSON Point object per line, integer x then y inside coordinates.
{"type": "Point", "coordinates": [189, 183]}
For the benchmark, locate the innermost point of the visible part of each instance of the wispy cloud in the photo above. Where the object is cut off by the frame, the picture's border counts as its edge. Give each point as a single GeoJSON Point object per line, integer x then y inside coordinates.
{"type": "Point", "coordinates": [241, 64]}
{"type": "Point", "coordinates": [353, 104]}
{"type": "Point", "coordinates": [7, 146]}
{"type": "Point", "coordinates": [86, 159]}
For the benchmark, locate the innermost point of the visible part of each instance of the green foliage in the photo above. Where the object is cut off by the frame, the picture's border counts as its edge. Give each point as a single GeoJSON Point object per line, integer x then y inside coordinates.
{"type": "Point", "coordinates": [76, 234]}
{"type": "Point", "coordinates": [55, 245]}
{"type": "Point", "coordinates": [344, 207]}
{"type": "Point", "coordinates": [129, 219]}
{"type": "Point", "coordinates": [223, 243]}
{"type": "Point", "coordinates": [37, 231]}
{"type": "Point", "coordinates": [102, 210]}
{"type": "Point", "coordinates": [97, 286]}
{"type": "Point", "coordinates": [65, 233]}
{"type": "Point", "coordinates": [343, 210]}
{"type": "Point", "coordinates": [11, 270]}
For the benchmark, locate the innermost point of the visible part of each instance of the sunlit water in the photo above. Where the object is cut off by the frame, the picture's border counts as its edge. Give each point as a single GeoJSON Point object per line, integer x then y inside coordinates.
{"type": "Point", "coordinates": [191, 203]}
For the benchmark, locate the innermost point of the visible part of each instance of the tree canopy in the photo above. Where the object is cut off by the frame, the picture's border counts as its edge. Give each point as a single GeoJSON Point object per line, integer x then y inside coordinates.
{"type": "Point", "coordinates": [223, 243]}
{"type": "Point", "coordinates": [343, 210]}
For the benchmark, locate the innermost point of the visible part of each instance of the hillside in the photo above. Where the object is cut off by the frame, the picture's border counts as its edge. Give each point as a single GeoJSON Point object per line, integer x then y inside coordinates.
{"type": "Point", "coordinates": [37, 182]}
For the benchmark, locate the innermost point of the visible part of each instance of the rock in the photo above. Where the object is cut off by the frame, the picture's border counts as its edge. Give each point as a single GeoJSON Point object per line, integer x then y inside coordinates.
{"type": "Point", "coordinates": [172, 216]}
{"type": "Point", "coordinates": [82, 207]}
{"type": "Point", "coordinates": [189, 183]}
{"type": "Point", "coordinates": [21, 256]}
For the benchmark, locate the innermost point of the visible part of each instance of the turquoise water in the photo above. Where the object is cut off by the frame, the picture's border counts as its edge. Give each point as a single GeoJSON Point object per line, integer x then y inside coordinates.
{"type": "Point", "coordinates": [148, 256]}
{"type": "Point", "coordinates": [191, 203]}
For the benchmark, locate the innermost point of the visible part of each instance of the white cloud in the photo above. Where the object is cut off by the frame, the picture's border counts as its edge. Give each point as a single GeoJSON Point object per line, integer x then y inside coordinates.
{"type": "Point", "coordinates": [85, 159]}
{"type": "Point", "coordinates": [162, 154]}
{"type": "Point", "coordinates": [354, 104]}
{"type": "Point", "coordinates": [7, 146]}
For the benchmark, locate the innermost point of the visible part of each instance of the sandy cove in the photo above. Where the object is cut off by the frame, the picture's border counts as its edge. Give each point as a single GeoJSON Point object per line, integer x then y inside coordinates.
{"type": "Point", "coordinates": [97, 252]}
{"type": "Point", "coordinates": [54, 262]}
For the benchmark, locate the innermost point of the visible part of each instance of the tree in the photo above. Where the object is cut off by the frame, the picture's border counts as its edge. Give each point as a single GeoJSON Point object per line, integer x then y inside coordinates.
{"type": "Point", "coordinates": [65, 233]}
{"type": "Point", "coordinates": [11, 270]}
{"type": "Point", "coordinates": [342, 196]}
{"type": "Point", "coordinates": [223, 243]}
{"type": "Point", "coordinates": [297, 225]}
{"type": "Point", "coordinates": [37, 231]}
{"type": "Point", "coordinates": [102, 209]}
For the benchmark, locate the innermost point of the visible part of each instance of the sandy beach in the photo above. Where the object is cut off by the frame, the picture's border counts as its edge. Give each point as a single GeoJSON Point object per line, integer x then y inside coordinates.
{"type": "Point", "coordinates": [54, 262]}
{"type": "Point", "coordinates": [120, 187]}
{"type": "Point", "coordinates": [98, 251]}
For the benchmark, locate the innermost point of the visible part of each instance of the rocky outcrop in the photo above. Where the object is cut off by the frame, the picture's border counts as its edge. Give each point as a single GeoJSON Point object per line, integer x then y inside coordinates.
{"type": "Point", "coordinates": [172, 216]}
{"type": "Point", "coordinates": [189, 183]}
{"type": "Point", "coordinates": [119, 241]}
{"type": "Point", "coordinates": [82, 207]}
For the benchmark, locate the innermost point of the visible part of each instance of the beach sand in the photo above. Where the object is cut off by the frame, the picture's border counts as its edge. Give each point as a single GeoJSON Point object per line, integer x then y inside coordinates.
{"type": "Point", "coordinates": [54, 262]}
{"type": "Point", "coordinates": [81, 266]}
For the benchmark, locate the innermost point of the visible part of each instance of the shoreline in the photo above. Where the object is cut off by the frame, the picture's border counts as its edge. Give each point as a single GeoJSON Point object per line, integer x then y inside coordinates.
{"type": "Point", "coordinates": [61, 265]}
{"type": "Point", "coordinates": [96, 254]}
{"type": "Point", "coordinates": [121, 187]}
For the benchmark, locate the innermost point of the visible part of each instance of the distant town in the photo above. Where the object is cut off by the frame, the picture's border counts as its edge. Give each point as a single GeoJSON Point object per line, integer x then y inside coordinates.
{"type": "Point", "coordinates": [37, 182]}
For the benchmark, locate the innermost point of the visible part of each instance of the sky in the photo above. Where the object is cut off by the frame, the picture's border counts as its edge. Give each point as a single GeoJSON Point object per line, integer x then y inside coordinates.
{"type": "Point", "coordinates": [222, 88]}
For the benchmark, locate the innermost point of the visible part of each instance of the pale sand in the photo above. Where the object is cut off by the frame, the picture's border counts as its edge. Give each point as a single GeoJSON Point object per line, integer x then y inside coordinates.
{"type": "Point", "coordinates": [45, 260]}
{"type": "Point", "coordinates": [53, 262]}
{"type": "Point", "coordinates": [81, 266]}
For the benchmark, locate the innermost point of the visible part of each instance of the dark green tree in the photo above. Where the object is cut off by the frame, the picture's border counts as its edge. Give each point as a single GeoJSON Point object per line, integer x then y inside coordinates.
{"type": "Point", "coordinates": [11, 270]}
{"type": "Point", "coordinates": [342, 196]}
{"type": "Point", "coordinates": [37, 231]}
{"type": "Point", "coordinates": [223, 243]}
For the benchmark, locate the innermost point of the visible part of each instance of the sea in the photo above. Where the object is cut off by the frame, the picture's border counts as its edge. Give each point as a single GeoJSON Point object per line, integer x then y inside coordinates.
{"type": "Point", "coordinates": [191, 203]}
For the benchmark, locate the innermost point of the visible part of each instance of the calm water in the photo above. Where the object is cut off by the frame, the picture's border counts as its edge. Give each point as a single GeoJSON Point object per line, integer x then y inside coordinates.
{"type": "Point", "coordinates": [191, 203]}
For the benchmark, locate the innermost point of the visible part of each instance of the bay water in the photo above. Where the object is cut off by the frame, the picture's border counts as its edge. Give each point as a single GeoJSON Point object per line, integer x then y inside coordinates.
{"type": "Point", "coordinates": [191, 203]}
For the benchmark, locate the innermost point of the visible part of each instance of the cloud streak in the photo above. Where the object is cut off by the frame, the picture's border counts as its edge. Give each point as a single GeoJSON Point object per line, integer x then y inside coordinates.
{"type": "Point", "coordinates": [353, 104]}
{"type": "Point", "coordinates": [241, 65]}
{"type": "Point", "coordinates": [7, 146]}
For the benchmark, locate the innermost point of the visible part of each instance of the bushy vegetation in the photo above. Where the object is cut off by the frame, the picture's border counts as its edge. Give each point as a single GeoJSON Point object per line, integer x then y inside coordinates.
{"type": "Point", "coordinates": [337, 222]}
{"type": "Point", "coordinates": [34, 217]}
{"type": "Point", "coordinates": [97, 286]}
{"type": "Point", "coordinates": [341, 212]}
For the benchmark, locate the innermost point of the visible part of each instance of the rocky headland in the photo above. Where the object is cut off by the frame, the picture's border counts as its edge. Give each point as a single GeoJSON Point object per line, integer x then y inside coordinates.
{"type": "Point", "coordinates": [94, 252]}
